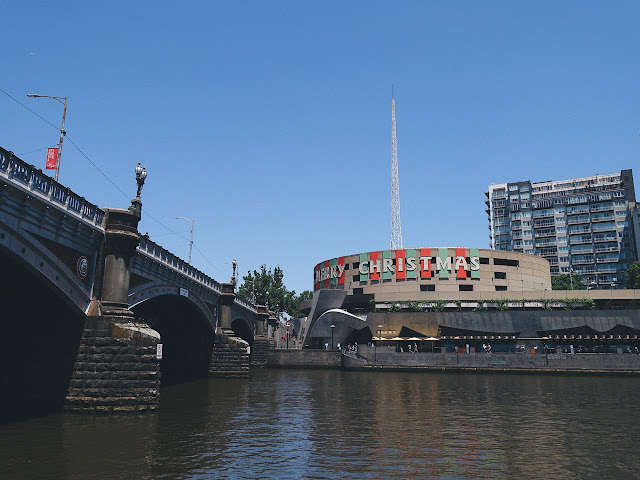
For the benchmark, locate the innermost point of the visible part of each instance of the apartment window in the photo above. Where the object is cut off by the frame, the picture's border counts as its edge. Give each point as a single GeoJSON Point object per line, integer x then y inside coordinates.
{"type": "Point", "coordinates": [357, 291]}
{"type": "Point", "coordinates": [427, 288]}
{"type": "Point", "coordinates": [465, 288]}
{"type": "Point", "coordinates": [501, 288]}
{"type": "Point", "coordinates": [500, 275]}
{"type": "Point", "coordinates": [484, 261]}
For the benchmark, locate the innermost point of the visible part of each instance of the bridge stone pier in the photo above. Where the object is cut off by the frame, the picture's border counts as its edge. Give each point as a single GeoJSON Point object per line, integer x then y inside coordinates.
{"type": "Point", "coordinates": [87, 301]}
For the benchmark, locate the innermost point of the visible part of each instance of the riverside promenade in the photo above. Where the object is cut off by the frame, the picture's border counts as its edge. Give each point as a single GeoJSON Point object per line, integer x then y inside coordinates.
{"type": "Point", "coordinates": [387, 359]}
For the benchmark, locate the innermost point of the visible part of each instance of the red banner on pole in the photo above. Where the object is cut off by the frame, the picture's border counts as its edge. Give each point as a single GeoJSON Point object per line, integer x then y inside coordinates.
{"type": "Point", "coordinates": [52, 158]}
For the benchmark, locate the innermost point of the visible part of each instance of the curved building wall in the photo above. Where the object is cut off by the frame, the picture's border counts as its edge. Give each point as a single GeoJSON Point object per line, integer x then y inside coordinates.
{"type": "Point", "coordinates": [435, 273]}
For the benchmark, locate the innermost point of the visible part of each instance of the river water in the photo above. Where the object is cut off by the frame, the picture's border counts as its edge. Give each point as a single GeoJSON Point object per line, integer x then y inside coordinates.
{"type": "Point", "coordinates": [348, 425]}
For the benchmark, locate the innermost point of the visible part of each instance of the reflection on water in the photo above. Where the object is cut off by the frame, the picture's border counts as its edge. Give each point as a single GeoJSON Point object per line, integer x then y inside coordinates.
{"type": "Point", "coordinates": [334, 424]}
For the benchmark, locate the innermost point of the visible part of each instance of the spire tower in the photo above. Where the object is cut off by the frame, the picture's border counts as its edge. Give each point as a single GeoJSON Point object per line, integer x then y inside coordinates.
{"type": "Point", "coordinates": [396, 229]}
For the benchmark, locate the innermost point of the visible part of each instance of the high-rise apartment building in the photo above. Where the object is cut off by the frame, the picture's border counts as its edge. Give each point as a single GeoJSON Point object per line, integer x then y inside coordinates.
{"type": "Point", "coordinates": [587, 225]}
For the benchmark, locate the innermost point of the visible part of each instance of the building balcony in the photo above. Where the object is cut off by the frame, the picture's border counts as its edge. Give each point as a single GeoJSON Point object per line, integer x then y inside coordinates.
{"type": "Point", "coordinates": [548, 253]}
{"type": "Point", "coordinates": [611, 248]}
{"type": "Point", "coordinates": [602, 218]}
{"type": "Point", "coordinates": [607, 259]}
{"type": "Point", "coordinates": [546, 232]}
{"type": "Point", "coordinates": [607, 269]}
{"type": "Point", "coordinates": [580, 240]}
{"type": "Point", "coordinates": [543, 223]}
{"type": "Point", "coordinates": [578, 211]}
{"type": "Point", "coordinates": [582, 261]}
{"type": "Point", "coordinates": [604, 228]}
{"type": "Point", "coordinates": [578, 219]}
{"type": "Point", "coordinates": [546, 244]}
{"type": "Point", "coordinates": [580, 230]}
{"type": "Point", "coordinates": [605, 238]}
{"type": "Point", "coordinates": [582, 251]}
{"type": "Point", "coordinates": [542, 214]}
{"type": "Point", "coordinates": [602, 208]}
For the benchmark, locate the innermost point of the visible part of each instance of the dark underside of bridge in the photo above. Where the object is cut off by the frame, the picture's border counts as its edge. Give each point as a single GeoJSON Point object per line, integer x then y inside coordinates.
{"type": "Point", "coordinates": [185, 334]}
{"type": "Point", "coordinates": [38, 344]}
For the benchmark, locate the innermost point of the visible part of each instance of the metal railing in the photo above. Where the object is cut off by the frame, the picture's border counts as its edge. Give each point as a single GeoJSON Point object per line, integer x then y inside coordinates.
{"type": "Point", "coordinates": [19, 172]}
{"type": "Point", "coordinates": [161, 255]}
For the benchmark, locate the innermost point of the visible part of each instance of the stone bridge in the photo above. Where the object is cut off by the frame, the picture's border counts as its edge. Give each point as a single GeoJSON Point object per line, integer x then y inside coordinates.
{"type": "Point", "coordinates": [80, 285]}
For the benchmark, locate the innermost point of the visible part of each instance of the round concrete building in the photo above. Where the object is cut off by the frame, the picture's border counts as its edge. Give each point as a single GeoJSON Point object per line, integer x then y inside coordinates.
{"type": "Point", "coordinates": [434, 274]}
{"type": "Point", "coordinates": [453, 298]}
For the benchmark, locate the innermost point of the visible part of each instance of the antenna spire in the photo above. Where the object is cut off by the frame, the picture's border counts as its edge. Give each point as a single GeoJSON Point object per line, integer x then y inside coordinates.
{"type": "Point", "coordinates": [396, 229]}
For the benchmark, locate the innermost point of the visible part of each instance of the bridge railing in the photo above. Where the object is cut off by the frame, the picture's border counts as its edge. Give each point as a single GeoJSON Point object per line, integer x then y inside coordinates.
{"type": "Point", "coordinates": [165, 257]}
{"type": "Point", "coordinates": [18, 171]}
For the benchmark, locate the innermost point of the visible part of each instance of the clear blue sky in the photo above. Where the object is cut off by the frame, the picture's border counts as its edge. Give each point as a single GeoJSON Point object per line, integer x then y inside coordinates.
{"type": "Point", "coordinates": [269, 123]}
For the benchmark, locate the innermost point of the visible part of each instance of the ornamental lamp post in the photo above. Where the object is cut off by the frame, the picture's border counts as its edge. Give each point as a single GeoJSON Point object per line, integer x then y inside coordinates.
{"type": "Point", "coordinates": [62, 132]}
{"type": "Point", "coordinates": [136, 204]}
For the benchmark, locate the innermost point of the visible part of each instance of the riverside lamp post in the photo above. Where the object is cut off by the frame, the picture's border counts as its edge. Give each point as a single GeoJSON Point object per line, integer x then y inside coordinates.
{"type": "Point", "coordinates": [62, 132]}
{"type": "Point", "coordinates": [191, 242]}
{"type": "Point", "coordinates": [375, 348]}
{"type": "Point", "coordinates": [332, 326]}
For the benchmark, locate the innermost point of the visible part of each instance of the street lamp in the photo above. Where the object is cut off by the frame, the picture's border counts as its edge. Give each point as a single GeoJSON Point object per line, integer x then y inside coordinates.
{"type": "Point", "coordinates": [375, 348]}
{"type": "Point", "coordinates": [62, 132]}
{"type": "Point", "coordinates": [136, 204]}
{"type": "Point", "coordinates": [571, 276]}
{"type": "Point", "coordinates": [332, 327]}
{"type": "Point", "coordinates": [191, 242]}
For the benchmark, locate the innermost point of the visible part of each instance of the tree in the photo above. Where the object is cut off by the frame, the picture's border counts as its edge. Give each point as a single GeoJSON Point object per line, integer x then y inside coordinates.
{"type": "Point", "coordinates": [564, 282]}
{"type": "Point", "coordinates": [266, 287]}
{"type": "Point", "coordinates": [632, 275]}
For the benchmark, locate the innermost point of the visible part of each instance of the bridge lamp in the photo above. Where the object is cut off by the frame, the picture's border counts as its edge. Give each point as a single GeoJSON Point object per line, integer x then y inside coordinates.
{"type": "Point", "coordinates": [62, 132]}
{"type": "Point", "coordinates": [141, 174]}
{"type": "Point", "coordinates": [332, 327]}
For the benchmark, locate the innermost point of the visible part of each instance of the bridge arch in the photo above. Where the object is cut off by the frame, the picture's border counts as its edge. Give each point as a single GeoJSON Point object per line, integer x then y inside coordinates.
{"type": "Point", "coordinates": [41, 331]}
{"type": "Point", "coordinates": [186, 332]}
{"type": "Point", "coordinates": [243, 328]}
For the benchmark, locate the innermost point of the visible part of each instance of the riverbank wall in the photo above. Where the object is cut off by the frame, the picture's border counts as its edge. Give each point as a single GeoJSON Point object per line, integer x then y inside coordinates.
{"type": "Point", "coordinates": [387, 359]}
{"type": "Point", "coordinates": [304, 358]}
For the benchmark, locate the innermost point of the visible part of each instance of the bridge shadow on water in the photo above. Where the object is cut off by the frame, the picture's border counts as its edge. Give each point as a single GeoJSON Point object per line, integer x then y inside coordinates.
{"type": "Point", "coordinates": [38, 344]}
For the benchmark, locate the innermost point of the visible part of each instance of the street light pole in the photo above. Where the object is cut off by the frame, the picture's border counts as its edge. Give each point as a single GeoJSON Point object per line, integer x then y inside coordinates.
{"type": "Point", "coordinates": [191, 242]}
{"type": "Point", "coordinates": [571, 276]}
{"type": "Point", "coordinates": [62, 132]}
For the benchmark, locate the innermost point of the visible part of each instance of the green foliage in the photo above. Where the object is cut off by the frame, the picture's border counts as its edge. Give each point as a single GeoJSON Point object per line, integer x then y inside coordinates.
{"type": "Point", "coordinates": [458, 304]}
{"type": "Point", "coordinates": [564, 282]}
{"type": "Point", "coordinates": [266, 287]}
{"type": "Point", "coordinates": [415, 307]}
{"type": "Point", "coordinates": [372, 306]}
{"type": "Point", "coordinates": [632, 275]}
{"type": "Point", "coordinates": [500, 304]}
{"type": "Point", "coordinates": [480, 307]}
{"type": "Point", "coordinates": [395, 308]}
{"type": "Point", "coordinates": [437, 305]}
